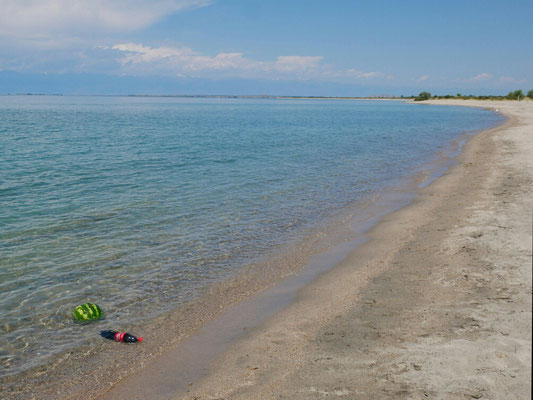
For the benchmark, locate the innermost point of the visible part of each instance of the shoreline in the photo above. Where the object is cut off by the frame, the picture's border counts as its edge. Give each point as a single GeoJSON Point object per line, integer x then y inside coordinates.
{"type": "Point", "coordinates": [437, 304]}
{"type": "Point", "coordinates": [314, 348]}
{"type": "Point", "coordinates": [232, 295]}
{"type": "Point", "coordinates": [254, 365]}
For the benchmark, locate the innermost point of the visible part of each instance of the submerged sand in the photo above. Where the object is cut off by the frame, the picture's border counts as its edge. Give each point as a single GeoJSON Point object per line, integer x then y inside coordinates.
{"type": "Point", "coordinates": [436, 305]}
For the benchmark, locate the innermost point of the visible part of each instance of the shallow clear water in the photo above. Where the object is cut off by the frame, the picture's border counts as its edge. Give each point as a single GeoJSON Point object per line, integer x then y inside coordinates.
{"type": "Point", "coordinates": [138, 203]}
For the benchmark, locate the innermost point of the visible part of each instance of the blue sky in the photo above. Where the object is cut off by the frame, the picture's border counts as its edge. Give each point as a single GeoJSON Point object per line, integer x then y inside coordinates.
{"type": "Point", "coordinates": [299, 47]}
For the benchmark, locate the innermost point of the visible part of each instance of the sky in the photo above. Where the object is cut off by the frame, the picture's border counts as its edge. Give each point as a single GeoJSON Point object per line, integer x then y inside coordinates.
{"type": "Point", "coordinates": [272, 47]}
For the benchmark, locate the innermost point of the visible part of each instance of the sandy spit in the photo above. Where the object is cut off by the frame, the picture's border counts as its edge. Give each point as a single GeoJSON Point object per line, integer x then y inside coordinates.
{"type": "Point", "coordinates": [436, 305]}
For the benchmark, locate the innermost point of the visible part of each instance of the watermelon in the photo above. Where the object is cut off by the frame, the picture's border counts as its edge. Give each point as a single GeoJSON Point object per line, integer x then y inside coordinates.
{"type": "Point", "coordinates": [88, 312]}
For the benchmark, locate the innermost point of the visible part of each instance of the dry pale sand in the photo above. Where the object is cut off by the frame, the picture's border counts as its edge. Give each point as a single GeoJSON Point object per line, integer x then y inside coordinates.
{"type": "Point", "coordinates": [436, 305]}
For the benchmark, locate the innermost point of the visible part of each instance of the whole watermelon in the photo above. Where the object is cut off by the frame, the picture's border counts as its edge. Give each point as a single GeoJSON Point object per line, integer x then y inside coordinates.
{"type": "Point", "coordinates": [88, 312]}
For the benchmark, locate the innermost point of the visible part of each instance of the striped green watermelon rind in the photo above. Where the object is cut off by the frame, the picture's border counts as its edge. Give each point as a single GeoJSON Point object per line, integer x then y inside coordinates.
{"type": "Point", "coordinates": [88, 312]}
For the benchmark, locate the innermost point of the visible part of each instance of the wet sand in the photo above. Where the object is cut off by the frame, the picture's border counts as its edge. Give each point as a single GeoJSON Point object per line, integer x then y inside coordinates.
{"type": "Point", "coordinates": [436, 305]}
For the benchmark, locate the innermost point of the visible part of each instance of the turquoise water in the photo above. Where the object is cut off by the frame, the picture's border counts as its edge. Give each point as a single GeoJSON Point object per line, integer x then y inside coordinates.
{"type": "Point", "coordinates": [139, 203]}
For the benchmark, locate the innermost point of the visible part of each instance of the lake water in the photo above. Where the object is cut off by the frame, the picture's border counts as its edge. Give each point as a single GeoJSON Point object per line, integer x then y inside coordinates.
{"type": "Point", "coordinates": [137, 203]}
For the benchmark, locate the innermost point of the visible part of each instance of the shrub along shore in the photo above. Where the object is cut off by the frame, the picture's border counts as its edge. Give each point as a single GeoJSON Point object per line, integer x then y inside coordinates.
{"type": "Point", "coordinates": [516, 95]}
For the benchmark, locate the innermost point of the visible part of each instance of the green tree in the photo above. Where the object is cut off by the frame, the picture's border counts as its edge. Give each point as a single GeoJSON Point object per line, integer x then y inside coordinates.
{"type": "Point", "coordinates": [423, 96]}
{"type": "Point", "coordinates": [530, 94]}
{"type": "Point", "coordinates": [518, 95]}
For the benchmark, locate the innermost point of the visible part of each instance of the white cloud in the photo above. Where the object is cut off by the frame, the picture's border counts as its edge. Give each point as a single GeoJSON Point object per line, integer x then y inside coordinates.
{"type": "Point", "coordinates": [59, 36]}
{"type": "Point", "coordinates": [296, 63]}
{"type": "Point", "coordinates": [185, 59]}
{"type": "Point", "coordinates": [137, 53]}
{"type": "Point", "coordinates": [361, 75]}
{"type": "Point", "coordinates": [423, 78]}
{"type": "Point", "coordinates": [45, 19]}
{"type": "Point", "coordinates": [177, 60]}
{"type": "Point", "coordinates": [481, 77]}
{"type": "Point", "coordinates": [182, 61]}
{"type": "Point", "coordinates": [510, 79]}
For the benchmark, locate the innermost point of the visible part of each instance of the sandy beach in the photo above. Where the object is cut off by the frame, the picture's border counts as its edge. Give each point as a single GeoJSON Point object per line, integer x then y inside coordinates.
{"type": "Point", "coordinates": [436, 305]}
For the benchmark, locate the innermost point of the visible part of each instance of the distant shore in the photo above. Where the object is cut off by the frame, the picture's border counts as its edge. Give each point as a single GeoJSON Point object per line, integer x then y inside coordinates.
{"type": "Point", "coordinates": [436, 305]}
{"type": "Point", "coordinates": [490, 98]}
